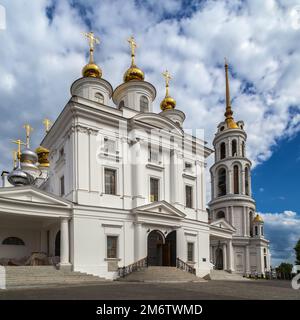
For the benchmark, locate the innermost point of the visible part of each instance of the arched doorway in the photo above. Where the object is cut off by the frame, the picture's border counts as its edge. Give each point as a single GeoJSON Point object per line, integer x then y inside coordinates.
{"type": "Point", "coordinates": [57, 244]}
{"type": "Point", "coordinates": [161, 250]}
{"type": "Point", "coordinates": [155, 245]}
{"type": "Point", "coordinates": [219, 259]}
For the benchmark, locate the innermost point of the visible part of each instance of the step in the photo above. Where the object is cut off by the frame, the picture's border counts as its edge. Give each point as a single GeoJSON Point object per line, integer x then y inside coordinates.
{"type": "Point", "coordinates": [224, 275]}
{"type": "Point", "coordinates": [161, 274]}
{"type": "Point", "coordinates": [42, 276]}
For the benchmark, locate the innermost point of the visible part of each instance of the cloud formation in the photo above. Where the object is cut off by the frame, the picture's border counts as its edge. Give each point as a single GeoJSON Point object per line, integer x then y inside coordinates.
{"type": "Point", "coordinates": [283, 231]}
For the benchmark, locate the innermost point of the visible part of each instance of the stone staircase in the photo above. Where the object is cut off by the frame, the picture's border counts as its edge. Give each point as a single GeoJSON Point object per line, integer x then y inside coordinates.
{"type": "Point", "coordinates": [161, 274]}
{"type": "Point", "coordinates": [224, 275]}
{"type": "Point", "coordinates": [45, 276]}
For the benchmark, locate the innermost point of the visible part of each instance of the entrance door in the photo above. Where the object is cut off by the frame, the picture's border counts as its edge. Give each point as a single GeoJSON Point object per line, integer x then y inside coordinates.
{"type": "Point", "coordinates": [155, 248]}
{"type": "Point", "coordinates": [169, 257]}
{"type": "Point", "coordinates": [219, 259]}
{"type": "Point", "coordinates": [160, 252]}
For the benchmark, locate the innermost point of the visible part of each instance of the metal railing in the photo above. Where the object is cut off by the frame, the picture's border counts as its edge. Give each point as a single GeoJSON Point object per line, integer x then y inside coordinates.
{"type": "Point", "coordinates": [124, 271]}
{"type": "Point", "coordinates": [184, 266]}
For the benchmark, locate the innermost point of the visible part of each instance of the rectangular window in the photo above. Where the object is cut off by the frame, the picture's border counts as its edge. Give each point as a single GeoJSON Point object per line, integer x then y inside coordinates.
{"type": "Point", "coordinates": [188, 166]}
{"type": "Point", "coordinates": [110, 181]}
{"type": "Point", "coordinates": [190, 251]}
{"type": "Point", "coordinates": [109, 146]}
{"type": "Point", "coordinates": [154, 154]}
{"type": "Point", "coordinates": [154, 189]}
{"type": "Point", "coordinates": [256, 230]}
{"type": "Point", "coordinates": [112, 246]}
{"type": "Point", "coordinates": [189, 196]}
{"type": "Point", "coordinates": [62, 186]}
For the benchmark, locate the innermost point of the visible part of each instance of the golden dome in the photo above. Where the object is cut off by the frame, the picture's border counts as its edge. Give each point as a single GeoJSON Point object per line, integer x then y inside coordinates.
{"type": "Point", "coordinates": [42, 154]}
{"type": "Point", "coordinates": [231, 124]}
{"type": "Point", "coordinates": [91, 70]}
{"type": "Point", "coordinates": [258, 218]}
{"type": "Point", "coordinates": [168, 103]}
{"type": "Point", "coordinates": [134, 73]}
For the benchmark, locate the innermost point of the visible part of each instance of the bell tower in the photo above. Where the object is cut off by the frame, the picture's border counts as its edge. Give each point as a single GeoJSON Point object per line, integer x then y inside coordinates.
{"type": "Point", "coordinates": [230, 174]}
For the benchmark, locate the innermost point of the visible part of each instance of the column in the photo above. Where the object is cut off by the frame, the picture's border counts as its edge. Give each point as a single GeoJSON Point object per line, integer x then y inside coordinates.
{"type": "Point", "coordinates": [230, 256]}
{"type": "Point", "coordinates": [225, 267]}
{"type": "Point", "coordinates": [230, 180]}
{"type": "Point", "coordinates": [138, 242]}
{"type": "Point", "coordinates": [138, 181]}
{"type": "Point", "coordinates": [247, 260]}
{"type": "Point", "coordinates": [244, 220]}
{"type": "Point", "coordinates": [243, 181]}
{"type": "Point", "coordinates": [64, 242]}
{"type": "Point", "coordinates": [181, 249]}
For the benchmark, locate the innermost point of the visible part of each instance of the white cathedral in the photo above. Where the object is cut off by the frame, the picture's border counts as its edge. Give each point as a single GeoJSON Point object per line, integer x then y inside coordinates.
{"type": "Point", "coordinates": [114, 184]}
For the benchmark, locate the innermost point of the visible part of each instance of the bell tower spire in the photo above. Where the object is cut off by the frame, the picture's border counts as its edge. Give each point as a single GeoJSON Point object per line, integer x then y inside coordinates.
{"type": "Point", "coordinates": [231, 124]}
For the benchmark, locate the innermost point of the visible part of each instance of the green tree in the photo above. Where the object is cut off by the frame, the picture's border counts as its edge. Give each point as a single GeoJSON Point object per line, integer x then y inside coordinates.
{"type": "Point", "coordinates": [285, 267]}
{"type": "Point", "coordinates": [297, 252]}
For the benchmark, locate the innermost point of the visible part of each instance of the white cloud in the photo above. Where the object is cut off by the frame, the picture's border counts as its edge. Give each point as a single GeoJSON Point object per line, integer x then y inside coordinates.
{"type": "Point", "coordinates": [42, 58]}
{"type": "Point", "coordinates": [283, 231]}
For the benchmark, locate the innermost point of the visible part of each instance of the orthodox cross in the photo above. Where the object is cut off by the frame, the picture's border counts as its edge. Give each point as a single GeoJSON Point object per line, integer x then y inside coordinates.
{"type": "Point", "coordinates": [19, 143]}
{"type": "Point", "coordinates": [47, 123]}
{"type": "Point", "coordinates": [92, 42]}
{"type": "Point", "coordinates": [28, 130]}
{"type": "Point", "coordinates": [167, 77]}
{"type": "Point", "coordinates": [133, 45]}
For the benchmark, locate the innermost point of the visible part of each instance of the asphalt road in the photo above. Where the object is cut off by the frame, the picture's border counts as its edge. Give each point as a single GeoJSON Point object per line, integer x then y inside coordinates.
{"type": "Point", "coordinates": [211, 290]}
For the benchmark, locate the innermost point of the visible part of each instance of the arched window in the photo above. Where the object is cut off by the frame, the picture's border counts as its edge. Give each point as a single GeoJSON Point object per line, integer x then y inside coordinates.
{"type": "Point", "coordinates": [99, 97]}
{"type": "Point", "coordinates": [262, 230]}
{"type": "Point", "coordinates": [220, 215]}
{"type": "Point", "coordinates": [256, 231]}
{"type": "Point", "coordinates": [144, 104]}
{"type": "Point", "coordinates": [222, 182]}
{"type": "Point", "coordinates": [243, 149]}
{"type": "Point", "coordinates": [222, 150]}
{"type": "Point", "coordinates": [234, 148]}
{"type": "Point", "coordinates": [247, 181]}
{"type": "Point", "coordinates": [121, 104]}
{"type": "Point", "coordinates": [236, 179]}
{"type": "Point", "coordinates": [13, 241]}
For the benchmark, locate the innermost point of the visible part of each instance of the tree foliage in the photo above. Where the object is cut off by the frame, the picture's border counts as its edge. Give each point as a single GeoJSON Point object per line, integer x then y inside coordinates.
{"type": "Point", "coordinates": [297, 252]}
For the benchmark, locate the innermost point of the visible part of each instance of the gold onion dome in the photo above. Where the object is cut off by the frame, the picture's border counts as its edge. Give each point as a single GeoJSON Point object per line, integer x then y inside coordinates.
{"type": "Point", "coordinates": [258, 218]}
{"type": "Point", "coordinates": [168, 102]}
{"type": "Point", "coordinates": [42, 154]}
{"type": "Point", "coordinates": [92, 69]}
{"type": "Point", "coordinates": [231, 124]}
{"type": "Point", "coordinates": [133, 73]}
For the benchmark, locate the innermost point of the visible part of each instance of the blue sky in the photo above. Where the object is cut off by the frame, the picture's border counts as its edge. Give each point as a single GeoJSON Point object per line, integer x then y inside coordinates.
{"type": "Point", "coordinates": [45, 52]}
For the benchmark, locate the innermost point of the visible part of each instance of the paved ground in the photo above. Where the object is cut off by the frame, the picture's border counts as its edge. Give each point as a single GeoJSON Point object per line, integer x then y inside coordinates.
{"type": "Point", "coordinates": [211, 290]}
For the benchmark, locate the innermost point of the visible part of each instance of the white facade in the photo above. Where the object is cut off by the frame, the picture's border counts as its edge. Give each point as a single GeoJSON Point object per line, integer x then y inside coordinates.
{"type": "Point", "coordinates": [125, 184]}
{"type": "Point", "coordinates": [90, 136]}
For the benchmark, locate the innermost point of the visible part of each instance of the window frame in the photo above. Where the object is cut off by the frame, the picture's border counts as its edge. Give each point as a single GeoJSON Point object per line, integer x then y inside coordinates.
{"type": "Point", "coordinates": [158, 188]}
{"type": "Point", "coordinates": [116, 237]}
{"type": "Point", "coordinates": [115, 177]}
{"type": "Point", "coordinates": [144, 104]}
{"type": "Point", "coordinates": [62, 186]}
{"type": "Point", "coordinates": [192, 196]}
{"type": "Point", "coordinates": [99, 100]}
{"type": "Point", "coordinates": [192, 252]}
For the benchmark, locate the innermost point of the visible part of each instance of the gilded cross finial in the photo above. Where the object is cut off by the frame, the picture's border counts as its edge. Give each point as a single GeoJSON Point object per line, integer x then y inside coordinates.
{"type": "Point", "coordinates": [19, 143]}
{"type": "Point", "coordinates": [167, 77]}
{"type": "Point", "coordinates": [133, 45]}
{"type": "Point", "coordinates": [47, 123]}
{"type": "Point", "coordinates": [28, 130]}
{"type": "Point", "coordinates": [93, 40]}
